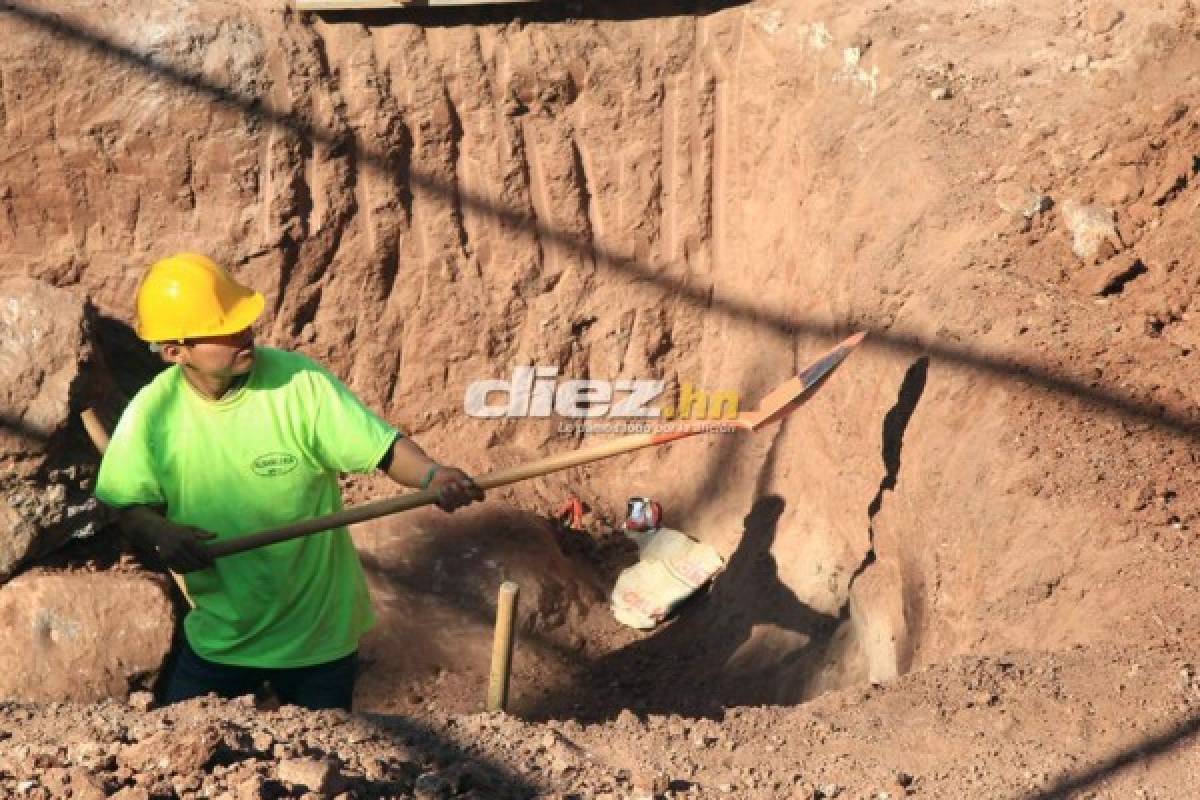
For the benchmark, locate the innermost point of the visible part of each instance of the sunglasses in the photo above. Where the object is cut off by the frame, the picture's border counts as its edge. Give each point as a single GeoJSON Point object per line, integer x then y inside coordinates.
{"type": "Point", "coordinates": [156, 347]}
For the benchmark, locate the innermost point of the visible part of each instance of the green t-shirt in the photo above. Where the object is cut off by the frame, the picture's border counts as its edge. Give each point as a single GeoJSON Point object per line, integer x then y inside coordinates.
{"type": "Point", "coordinates": [264, 456]}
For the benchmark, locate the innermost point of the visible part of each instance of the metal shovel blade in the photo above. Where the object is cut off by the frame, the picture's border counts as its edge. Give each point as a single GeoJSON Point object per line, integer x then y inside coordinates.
{"type": "Point", "coordinates": [789, 395]}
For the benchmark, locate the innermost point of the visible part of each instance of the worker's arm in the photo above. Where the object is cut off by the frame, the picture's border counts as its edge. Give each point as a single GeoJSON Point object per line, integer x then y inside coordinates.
{"type": "Point", "coordinates": [408, 465]}
{"type": "Point", "coordinates": [181, 547]}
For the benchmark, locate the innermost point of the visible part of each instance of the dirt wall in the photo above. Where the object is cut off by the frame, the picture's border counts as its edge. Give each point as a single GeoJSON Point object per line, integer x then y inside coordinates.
{"type": "Point", "coordinates": [702, 197]}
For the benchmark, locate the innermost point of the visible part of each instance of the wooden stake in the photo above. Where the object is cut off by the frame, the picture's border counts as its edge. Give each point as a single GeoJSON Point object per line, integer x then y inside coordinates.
{"type": "Point", "coordinates": [502, 647]}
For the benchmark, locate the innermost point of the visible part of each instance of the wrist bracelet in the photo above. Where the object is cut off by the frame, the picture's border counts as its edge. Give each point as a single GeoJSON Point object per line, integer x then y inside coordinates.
{"type": "Point", "coordinates": [429, 476]}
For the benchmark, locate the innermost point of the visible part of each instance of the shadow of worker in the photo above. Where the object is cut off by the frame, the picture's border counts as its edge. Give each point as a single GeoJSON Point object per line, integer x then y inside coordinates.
{"type": "Point", "coordinates": [764, 641]}
{"type": "Point", "coordinates": [747, 641]}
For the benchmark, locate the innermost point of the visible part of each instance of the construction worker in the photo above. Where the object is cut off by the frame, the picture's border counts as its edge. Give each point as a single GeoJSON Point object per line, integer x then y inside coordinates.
{"type": "Point", "coordinates": [235, 438]}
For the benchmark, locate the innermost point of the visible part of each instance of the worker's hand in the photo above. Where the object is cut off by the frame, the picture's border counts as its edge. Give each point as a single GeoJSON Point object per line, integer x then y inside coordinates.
{"type": "Point", "coordinates": [181, 547]}
{"type": "Point", "coordinates": [455, 488]}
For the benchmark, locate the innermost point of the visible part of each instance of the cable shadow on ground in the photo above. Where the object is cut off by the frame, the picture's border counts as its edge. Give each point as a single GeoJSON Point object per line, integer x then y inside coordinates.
{"type": "Point", "coordinates": [891, 339]}
{"type": "Point", "coordinates": [1158, 744]}
{"type": "Point", "coordinates": [746, 641]}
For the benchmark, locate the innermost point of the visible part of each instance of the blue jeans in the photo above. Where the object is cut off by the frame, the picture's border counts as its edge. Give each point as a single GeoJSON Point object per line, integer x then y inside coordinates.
{"type": "Point", "coordinates": [328, 685]}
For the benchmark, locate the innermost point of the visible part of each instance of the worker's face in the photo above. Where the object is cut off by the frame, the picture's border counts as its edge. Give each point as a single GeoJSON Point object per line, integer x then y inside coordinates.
{"type": "Point", "coordinates": [218, 357]}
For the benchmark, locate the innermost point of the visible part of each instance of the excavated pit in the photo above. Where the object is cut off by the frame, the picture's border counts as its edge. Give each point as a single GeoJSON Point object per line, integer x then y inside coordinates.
{"type": "Point", "coordinates": [706, 195]}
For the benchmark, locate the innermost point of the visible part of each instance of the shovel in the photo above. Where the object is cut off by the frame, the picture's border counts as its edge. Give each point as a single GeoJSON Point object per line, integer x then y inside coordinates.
{"type": "Point", "coordinates": [779, 402]}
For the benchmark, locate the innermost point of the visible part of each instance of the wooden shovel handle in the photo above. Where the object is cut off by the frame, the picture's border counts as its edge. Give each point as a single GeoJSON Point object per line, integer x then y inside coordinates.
{"type": "Point", "coordinates": [777, 404]}
{"type": "Point", "coordinates": [425, 497]}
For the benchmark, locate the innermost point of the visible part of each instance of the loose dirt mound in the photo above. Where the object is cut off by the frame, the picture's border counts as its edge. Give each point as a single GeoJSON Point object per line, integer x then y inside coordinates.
{"type": "Point", "coordinates": [1018, 725]}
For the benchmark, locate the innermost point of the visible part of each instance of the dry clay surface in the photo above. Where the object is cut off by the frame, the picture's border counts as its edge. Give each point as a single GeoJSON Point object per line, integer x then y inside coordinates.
{"type": "Point", "coordinates": [995, 500]}
{"type": "Point", "coordinates": [1013, 726]}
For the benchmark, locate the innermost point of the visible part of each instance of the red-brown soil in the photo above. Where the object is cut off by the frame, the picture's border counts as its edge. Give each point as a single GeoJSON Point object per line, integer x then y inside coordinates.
{"type": "Point", "coordinates": [966, 568]}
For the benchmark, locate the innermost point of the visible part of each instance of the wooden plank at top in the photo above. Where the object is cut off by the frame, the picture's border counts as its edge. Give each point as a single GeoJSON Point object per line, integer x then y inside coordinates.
{"type": "Point", "coordinates": [365, 5]}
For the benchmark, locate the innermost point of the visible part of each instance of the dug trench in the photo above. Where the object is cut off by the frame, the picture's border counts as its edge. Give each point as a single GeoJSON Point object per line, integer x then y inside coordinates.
{"type": "Point", "coordinates": [966, 566]}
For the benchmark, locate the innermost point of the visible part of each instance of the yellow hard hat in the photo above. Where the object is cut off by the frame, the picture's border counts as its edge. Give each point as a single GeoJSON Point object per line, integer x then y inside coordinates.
{"type": "Point", "coordinates": [187, 296]}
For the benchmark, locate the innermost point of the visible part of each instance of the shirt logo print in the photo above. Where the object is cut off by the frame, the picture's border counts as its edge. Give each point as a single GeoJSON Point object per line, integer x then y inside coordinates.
{"type": "Point", "coordinates": [272, 464]}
